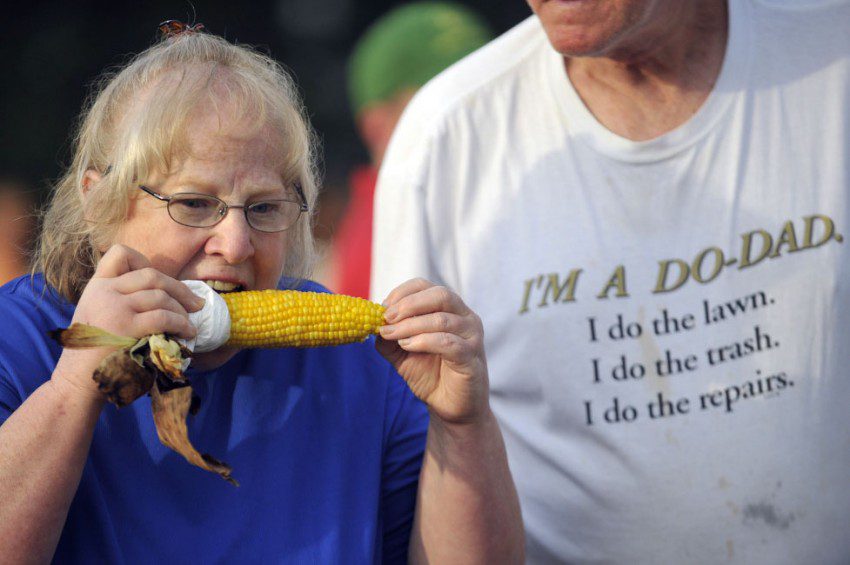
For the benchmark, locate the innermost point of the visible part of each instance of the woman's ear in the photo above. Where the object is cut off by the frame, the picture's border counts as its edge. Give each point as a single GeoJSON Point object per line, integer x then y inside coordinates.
{"type": "Point", "coordinates": [90, 179]}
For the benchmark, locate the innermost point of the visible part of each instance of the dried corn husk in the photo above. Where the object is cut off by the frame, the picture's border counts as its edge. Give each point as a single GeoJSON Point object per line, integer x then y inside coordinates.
{"type": "Point", "coordinates": [152, 364]}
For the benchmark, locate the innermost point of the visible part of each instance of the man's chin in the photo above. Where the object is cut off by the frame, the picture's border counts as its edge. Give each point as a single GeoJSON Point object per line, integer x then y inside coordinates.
{"type": "Point", "coordinates": [213, 359]}
{"type": "Point", "coordinates": [573, 45]}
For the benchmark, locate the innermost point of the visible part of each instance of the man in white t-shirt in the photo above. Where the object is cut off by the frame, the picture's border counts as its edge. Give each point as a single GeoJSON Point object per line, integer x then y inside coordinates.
{"type": "Point", "coordinates": [647, 202]}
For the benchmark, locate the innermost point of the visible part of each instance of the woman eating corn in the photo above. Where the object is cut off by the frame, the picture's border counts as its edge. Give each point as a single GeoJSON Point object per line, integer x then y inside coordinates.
{"type": "Point", "coordinates": [196, 162]}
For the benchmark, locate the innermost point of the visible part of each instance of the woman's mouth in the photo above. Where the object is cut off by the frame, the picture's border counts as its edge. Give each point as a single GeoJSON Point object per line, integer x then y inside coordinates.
{"type": "Point", "coordinates": [223, 287]}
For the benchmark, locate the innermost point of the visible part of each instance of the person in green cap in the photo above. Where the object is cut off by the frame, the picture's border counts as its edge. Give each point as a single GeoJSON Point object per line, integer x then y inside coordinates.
{"type": "Point", "coordinates": [399, 53]}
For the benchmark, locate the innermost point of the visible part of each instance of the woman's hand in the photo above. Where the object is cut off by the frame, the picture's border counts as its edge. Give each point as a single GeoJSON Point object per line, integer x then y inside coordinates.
{"type": "Point", "coordinates": [437, 344]}
{"type": "Point", "coordinates": [466, 494]}
{"type": "Point", "coordinates": [125, 296]}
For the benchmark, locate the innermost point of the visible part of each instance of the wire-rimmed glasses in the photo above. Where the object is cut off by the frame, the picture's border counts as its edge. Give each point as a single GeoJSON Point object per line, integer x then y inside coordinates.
{"type": "Point", "coordinates": [204, 210]}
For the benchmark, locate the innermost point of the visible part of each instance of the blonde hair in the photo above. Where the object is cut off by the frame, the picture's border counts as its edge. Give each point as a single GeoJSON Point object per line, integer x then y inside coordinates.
{"type": "Point", "coordinates": [136, 122]}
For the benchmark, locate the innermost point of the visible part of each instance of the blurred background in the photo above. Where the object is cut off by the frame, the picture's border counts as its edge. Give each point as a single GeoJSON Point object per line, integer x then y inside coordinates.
{"type": "Point", "coordinates": [50, 52]}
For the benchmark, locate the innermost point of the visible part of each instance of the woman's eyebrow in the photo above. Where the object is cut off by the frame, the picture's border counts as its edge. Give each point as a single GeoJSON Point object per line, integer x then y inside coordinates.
{"type": "Point", "coordinates": [196, 184]}
{"type": "Point", "coordinates": [273, 193]}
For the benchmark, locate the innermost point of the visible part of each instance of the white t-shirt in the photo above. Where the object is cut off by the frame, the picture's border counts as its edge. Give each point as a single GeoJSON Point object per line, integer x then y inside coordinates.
{"type": "Point", "coordinates": [667, 322]}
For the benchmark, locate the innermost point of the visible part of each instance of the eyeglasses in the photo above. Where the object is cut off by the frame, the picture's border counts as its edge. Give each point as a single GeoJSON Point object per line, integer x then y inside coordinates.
{"type": "Point", "coordinates": [204, 211]}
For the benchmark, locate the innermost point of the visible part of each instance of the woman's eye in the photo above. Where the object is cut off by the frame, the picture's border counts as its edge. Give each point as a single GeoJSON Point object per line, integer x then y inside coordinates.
{"type": "Point", "coordinates": [264, 208]}
{"type": "Point", "coordinates": [194, 203]}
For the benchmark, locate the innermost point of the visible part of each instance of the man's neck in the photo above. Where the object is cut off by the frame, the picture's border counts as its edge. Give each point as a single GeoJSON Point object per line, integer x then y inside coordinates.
{"type": "Point", "coordinates": [657, 82]}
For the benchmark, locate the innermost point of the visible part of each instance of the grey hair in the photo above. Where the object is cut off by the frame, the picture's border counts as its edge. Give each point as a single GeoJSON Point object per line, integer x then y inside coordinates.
{"type": "Point", "coordinates": [135, 122]}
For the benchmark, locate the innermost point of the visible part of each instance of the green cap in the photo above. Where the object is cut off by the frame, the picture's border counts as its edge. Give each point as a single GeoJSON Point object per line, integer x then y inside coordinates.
{"type": "Point", "coordinates": [410, 45]}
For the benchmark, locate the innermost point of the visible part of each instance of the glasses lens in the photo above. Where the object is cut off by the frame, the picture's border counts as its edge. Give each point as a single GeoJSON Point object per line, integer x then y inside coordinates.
{"type": "Point", "coordinates": [197, 210]}
{"type": "Point", "coordinates": [273, 215]}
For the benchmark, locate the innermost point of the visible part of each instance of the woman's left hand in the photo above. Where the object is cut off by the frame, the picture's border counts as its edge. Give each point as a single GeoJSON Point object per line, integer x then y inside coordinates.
{"type": "Point", "coordinates": [436, 343]}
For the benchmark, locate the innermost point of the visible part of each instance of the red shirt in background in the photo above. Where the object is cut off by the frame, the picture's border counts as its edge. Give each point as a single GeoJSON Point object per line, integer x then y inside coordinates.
{"type": "Point", "coordinates": [351, 254]}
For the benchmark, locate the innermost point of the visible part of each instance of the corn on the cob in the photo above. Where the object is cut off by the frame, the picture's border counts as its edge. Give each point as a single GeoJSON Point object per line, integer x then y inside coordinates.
{"type": "Point", "coordinates": [259, 318]}
{"type": "Point", "coordinates": [291, 318]}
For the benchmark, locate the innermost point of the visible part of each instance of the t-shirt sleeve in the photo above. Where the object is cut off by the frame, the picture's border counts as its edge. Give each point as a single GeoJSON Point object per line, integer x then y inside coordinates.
{"type": "Point", "coordinates": [401, 241]}
{"type": "Point", "coordinates": [22, 369]}
{"type": "Point", "coordinates": [9, 398]}
{"type": "Point", "coordinates": [27, 355]}
{"type": "Point", "coordinates": [404, 445]}
{"type": "Point", "coordinates": [11, 388]}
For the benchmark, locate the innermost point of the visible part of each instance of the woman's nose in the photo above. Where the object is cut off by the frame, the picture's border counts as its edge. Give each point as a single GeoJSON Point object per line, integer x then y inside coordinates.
{"type": "Point", "coordinates": [231, 237]}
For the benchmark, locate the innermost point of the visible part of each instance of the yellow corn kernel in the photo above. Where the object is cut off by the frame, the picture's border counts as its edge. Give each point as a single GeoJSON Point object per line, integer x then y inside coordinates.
{"type": "Point", "coordinates": [292, 318]}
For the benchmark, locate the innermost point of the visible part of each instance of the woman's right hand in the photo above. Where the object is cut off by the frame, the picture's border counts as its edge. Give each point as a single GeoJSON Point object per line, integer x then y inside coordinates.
{"type": "Point", "coordinates": [125, 296]}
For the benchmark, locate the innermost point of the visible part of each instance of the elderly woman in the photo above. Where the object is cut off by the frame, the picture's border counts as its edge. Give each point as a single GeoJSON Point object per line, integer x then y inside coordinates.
{"type": "Point", "coordinates": [338, 461]}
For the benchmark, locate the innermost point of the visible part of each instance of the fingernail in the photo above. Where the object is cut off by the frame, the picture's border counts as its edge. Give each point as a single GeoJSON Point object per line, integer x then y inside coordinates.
{"type": "Point", "coordinates": [404, 342]}
{"type": "Point", "coordinates": [387, 330]}
{"type": "Point", "coordinates": [199, 303]}
{"type": "Point", "coordinates": [391, 314]}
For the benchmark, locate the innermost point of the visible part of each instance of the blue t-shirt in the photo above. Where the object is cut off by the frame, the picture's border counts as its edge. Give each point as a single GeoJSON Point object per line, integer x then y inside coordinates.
{"type": "Point", "coordinates": [326, 444]}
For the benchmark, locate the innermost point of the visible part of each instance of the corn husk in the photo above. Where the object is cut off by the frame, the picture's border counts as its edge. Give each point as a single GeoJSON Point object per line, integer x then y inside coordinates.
{"type": "Point", "coordinates": [154, 365]}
